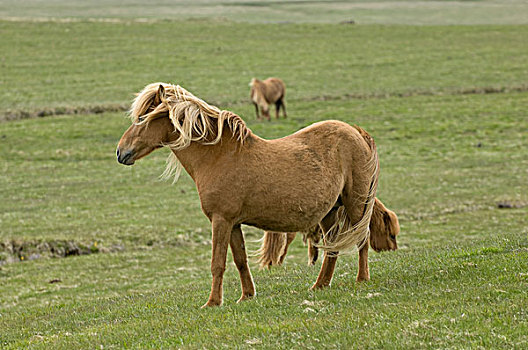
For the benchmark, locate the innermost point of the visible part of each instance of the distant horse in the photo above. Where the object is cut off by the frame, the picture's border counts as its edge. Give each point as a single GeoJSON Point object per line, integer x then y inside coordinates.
{"type": "Point", "coordinates": [288, 185]}
{"type": "Point", "coordinates": [384, 227]}
{"type": "Point", "coordinates": [266, 92]}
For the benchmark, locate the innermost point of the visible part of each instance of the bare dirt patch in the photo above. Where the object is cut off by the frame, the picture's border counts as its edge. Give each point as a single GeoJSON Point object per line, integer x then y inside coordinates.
{"type": "Point", "coordinates": [17, 251]}
{"type": "Point", "coordinates": [24, 114]}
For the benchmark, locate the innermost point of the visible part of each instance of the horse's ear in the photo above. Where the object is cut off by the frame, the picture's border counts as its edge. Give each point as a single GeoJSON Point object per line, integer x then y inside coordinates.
{"type": "Point", "coordinates": [161, 94]}
{"type": "Point", "coordinates": [391, 222]}
{"type": "Point", "coordinates": [387, 219]}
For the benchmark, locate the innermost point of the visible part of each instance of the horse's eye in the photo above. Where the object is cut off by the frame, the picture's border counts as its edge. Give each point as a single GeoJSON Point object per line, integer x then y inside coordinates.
{"type": "Point", "coordinates": [393, 237]}
{"type": "Point", "coordinates": [140, 119]}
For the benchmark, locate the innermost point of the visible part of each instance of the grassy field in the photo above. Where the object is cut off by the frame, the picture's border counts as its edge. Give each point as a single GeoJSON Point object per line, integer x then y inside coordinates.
{"type": "Point", "coordinates": [445, 104]}
{"type": "Point", "coordinates": [48, 62]}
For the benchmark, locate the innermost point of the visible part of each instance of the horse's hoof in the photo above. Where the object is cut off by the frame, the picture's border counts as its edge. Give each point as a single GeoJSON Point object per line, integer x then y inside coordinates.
{"type": "Point", "coordinates": [245, 297]}
{"type": "Point", "coordinates": [319, 286]}
{"type": "Point", "coordinates": [363, 278]}
{"type": "Point", "coordinates": [211, 304]}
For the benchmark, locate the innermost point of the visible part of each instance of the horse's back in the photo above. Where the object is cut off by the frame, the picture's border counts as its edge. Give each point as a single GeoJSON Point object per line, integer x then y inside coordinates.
{"type": "Point", "coordinates": [331, 133]}
{"type": "Point", "coordinates": [301, 175]}
{"type": "Point", "coordinates": [275, 89]}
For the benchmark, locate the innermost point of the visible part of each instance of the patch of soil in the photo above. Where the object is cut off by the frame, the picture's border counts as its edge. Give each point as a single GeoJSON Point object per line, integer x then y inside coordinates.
{"type": "Point", "coordinates": [15, 250]}
{"type": "Point", "coordinates": [23, 114]}
{"type": "Point", "coordinates": [511, 205]}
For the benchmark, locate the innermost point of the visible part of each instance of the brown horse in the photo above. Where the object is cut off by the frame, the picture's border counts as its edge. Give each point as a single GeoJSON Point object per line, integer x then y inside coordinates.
{"type": "Point", "coordinates": [266, 92]}
{"type": "Point", "coordinates": [384, 228]}
{"type": "Point", "coordinates": [287, 185]}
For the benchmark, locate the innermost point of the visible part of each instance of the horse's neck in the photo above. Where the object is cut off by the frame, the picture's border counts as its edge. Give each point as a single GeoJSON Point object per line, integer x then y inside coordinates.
{"type": "Point", "coordinates": [199, 159]}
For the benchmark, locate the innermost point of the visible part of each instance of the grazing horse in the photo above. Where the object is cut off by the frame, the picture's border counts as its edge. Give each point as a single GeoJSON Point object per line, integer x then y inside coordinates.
{"type": "Point", "coordinates": [384, 227]}
{"type": "Point", "coordinates": [288, 185]}
{"type": "Point", "coordinates": [266, 92]}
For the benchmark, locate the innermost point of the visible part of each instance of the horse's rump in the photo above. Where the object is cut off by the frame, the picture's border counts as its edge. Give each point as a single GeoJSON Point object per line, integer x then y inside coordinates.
{"type": "Point", "coordinates": [267, 91]}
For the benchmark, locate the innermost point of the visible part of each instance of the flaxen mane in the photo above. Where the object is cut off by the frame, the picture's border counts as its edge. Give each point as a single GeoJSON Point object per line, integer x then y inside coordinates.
{"type": "Point", "coordinates": [194, 119]}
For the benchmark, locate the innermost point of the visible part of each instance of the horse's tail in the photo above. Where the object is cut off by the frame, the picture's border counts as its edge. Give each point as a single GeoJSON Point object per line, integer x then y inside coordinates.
{"type": "Point", "coordinates": [343, 234]}
{"type": "Point", "coordinates": [272, 249]}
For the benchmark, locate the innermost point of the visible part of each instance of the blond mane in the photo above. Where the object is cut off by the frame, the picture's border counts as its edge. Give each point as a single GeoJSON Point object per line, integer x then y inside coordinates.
{"type": "Point", "coordinates": [194, 120]}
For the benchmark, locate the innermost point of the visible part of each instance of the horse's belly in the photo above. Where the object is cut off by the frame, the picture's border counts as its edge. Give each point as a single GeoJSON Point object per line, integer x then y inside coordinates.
{"type": "Point", "coordinates": [272, 224]}
{"type": "Point", "coordinates": [289, 213]}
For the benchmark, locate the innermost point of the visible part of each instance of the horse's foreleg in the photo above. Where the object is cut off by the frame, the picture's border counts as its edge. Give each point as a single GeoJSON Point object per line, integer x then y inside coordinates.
{"type": "Point", "coordinates": [256, 110]}
{"type": "Point", "coordinates": [363, 269]}
{"type": "Point", "coordinates": [239, 256]}
{"type": "Point", "coordinates": [277, 108]}
{"type": "Point", "coordinates": [221, 236]}
{"type": "Point", "coordinates": [327, 270]}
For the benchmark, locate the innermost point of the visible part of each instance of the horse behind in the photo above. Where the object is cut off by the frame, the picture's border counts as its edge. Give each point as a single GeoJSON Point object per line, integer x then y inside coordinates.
{"type": "Point", "coordinates": [288, 185]}
{"type": "Point", "coordinates": [266, 92]}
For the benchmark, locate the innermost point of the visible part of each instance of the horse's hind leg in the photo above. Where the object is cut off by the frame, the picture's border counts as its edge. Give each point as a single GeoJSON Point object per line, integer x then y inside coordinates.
{"type": "Point", "coordinates": [330, 257]}
{"type": "Point", "coordinates": [355, 206]}
{"type": "Point", "coordinates": [221, 237]}
{"type": "Point", "coordinates": [277, 108]}
{"type": "Point", "coordinates": [240, 257]}
{"type": "Point", "coordinates": [283, 105]}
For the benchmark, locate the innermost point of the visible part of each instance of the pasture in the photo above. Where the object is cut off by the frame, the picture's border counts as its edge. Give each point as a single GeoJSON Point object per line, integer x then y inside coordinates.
{"type": "Point", "coordinates": [94, 254]}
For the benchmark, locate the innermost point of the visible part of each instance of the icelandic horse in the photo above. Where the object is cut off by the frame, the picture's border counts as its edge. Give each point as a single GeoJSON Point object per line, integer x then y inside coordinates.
{"type": "Point", "coordinates": [266, 92]}
{"type": "Point", "coordinates": [288, 185]}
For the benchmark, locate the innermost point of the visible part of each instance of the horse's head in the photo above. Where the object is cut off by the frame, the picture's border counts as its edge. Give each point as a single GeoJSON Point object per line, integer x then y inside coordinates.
{"type": "Point", "coordinates": [168, 115]}
{"type": "Point", "coordinates": [384, 227]}
{"type": "Point", "coordinates": [151, 128]}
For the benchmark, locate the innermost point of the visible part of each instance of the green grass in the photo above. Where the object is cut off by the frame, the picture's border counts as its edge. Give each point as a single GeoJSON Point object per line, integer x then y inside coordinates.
{"type": "Point", "coordinates": [459, 296]}
{"type": "Point", "coordinates": [449, 155]}
{"type": "Point", "coordinates": [47, 64]}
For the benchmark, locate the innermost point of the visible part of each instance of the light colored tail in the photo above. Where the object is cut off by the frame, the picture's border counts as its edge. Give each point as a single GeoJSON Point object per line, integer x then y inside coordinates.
{"type": "Point", "coordinates": [343, 235]}
{"type": "Point", "coordinates": [272, 249]}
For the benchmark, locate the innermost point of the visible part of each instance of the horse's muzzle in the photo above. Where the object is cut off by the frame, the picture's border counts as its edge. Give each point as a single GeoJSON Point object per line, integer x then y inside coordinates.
{"type": "Point", "coordinates": [126, 158]}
